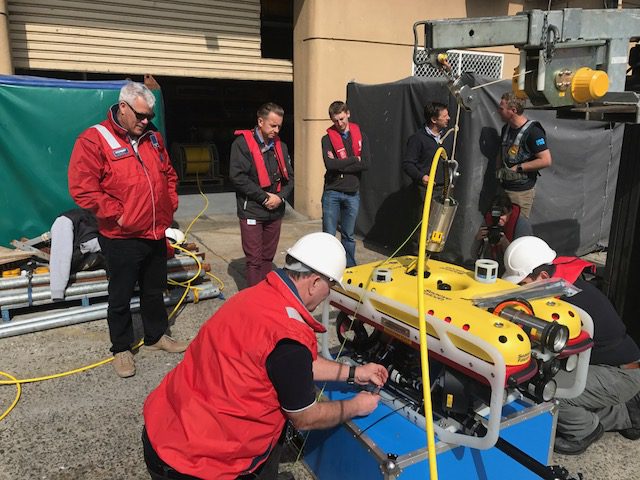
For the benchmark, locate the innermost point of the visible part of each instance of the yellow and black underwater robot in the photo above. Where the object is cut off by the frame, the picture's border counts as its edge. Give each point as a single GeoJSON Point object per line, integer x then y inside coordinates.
{"type": "Point", "coordinates": [488, 340]}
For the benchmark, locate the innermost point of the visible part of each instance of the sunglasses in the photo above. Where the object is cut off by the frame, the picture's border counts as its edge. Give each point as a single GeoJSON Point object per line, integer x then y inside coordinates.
{"type": "Point", "coordinates": [141, 116]}
{"type": "Point", "coordinates": [331, 282]}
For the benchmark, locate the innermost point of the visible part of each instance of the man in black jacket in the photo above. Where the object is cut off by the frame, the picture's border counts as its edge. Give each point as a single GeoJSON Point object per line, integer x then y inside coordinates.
{"type": "Point", "coordinates": [345, 150]}
{"type": "Point", "coordinates": [260, 171]}
{"type": "Point", "coordinates": [421, 148]}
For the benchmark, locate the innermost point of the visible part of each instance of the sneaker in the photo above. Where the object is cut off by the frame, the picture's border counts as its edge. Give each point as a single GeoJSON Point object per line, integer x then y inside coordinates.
{"type": "Point", "coordinates": [169, 344]}
{"type": "Point", "coordinates": [633, 407]}
{"type": "Point", "coordinates": [568, 447]}
{"type": "Point", "coordinates": [123, 364]}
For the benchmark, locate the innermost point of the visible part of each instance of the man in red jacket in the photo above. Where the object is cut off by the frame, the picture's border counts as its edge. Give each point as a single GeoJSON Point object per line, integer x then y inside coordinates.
{"type": "Point", "coordinates": [222, 411]}
{"type": "Point", "coordinates": [120, 170]}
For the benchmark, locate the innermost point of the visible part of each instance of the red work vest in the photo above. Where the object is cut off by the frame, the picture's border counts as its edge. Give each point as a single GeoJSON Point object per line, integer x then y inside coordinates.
{"type": "Point", "coordinates": [258, 159]}
{"type": "Point", "coordinates": [570, 268]}
{"type": "Point", "coordinates": [337, 142]}
{"type": "Point", "coordinates": [217, 415]}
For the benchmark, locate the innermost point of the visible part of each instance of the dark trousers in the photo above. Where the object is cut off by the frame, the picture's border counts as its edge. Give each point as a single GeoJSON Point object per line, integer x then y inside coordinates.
{"type": "Point", "coordinates": [129, 261]}
{"type": "Point", "coordinates": [159, 470]}
{"type": "Point", "coordinates": [259, 243]}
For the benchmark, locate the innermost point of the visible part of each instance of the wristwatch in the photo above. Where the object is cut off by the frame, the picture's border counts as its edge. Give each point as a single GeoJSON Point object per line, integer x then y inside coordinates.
{"type": "Point", "coordinates": [519, 169]}
{"type": "Point", "coordinates": [351, 379]}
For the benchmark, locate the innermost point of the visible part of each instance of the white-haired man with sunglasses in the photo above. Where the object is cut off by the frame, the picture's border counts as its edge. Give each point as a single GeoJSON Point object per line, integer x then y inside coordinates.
{"type": "Point", "coordinates": [121, 171]}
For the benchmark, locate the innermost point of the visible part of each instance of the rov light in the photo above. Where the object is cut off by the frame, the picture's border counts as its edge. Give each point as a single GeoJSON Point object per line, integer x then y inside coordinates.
{"type": "Point", "coordinates": [543, 390]}
{"type": "Point", "coordinates": [550, 335]}
{"type": "Point", "coordinates": [550, 368]}
{"type": "Point", "coordinates": [570, 363]}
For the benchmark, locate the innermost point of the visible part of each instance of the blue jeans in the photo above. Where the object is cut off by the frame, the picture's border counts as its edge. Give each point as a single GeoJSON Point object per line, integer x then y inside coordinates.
{"type": "Point", "coordinates": [342, 208]}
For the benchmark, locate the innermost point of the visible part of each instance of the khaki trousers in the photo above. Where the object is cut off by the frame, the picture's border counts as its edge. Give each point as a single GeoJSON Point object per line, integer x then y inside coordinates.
{"type": "Point", "coordinates": [524, 199]}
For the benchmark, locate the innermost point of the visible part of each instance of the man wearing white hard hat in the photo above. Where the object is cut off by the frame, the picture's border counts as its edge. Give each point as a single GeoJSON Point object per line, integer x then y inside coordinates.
{"type": "Point", "coordinates": [221, 413]}
{"type": "Point", "coordinates": [611, 398]}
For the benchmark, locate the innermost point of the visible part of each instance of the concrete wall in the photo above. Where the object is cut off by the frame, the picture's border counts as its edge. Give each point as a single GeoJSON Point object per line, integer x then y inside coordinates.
{"type": "Point", "coordinates": [6, 67]}
{"type": "Point", "coordinates": [336, 41]}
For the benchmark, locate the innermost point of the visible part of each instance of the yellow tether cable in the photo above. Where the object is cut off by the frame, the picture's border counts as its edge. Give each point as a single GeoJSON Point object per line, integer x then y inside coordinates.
{"type": "Point", "coordinates": [204, 209]}
{"type": "Point", "coordinates": [18, 393]}
{"type": "Point", "coordinates": [424, 353]}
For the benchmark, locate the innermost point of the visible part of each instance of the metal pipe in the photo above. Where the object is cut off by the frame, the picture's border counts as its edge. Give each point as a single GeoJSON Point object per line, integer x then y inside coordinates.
{"type": "Point", "coordinates": [18, 296]}
{"type": "Point", "coordinates": [87, 314]}
{"type": "Point", "coordinates": [44, 278]}
{"type": "Point", "coordinates": [45, 294]}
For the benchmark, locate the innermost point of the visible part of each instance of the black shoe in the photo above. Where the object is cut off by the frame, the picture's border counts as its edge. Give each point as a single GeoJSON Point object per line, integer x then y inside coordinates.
{"type": "Point", "coordinates": [568, 447]}
{"type": "Point", "coordinates": [633, 407]}
{"type": "Point", "coordinates": [285, 476]}
{"type": "Point", "coordinates": [630, 433]}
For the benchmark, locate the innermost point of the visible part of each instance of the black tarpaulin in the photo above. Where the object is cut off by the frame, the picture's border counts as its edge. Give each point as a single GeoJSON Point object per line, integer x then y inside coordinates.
{"type": "Point", "coordinates": [574, 197]}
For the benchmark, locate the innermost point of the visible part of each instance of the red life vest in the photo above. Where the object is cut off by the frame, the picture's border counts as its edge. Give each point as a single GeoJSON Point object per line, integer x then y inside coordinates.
{"type": "Point", "coordinates": [217, 415]}
{"type": "Point", "coordinates": [337, 142]}
{"type": "Point", "coordinates": [258, 159]}
{"type": "Point", "coordinates": [570, 268]}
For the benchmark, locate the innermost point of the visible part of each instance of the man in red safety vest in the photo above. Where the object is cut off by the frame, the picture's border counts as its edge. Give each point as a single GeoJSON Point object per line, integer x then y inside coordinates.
{"type": "Point", "coordinates": [345, 150]}
{"type": "Point", "coordinates": [221, 412]}
{"type": "Point", "coordinates": [260, 171]}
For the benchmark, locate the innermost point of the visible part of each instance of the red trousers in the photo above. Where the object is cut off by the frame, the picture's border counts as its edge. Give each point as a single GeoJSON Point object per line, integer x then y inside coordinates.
{"type": "Point", "coordinates": [259, 243]}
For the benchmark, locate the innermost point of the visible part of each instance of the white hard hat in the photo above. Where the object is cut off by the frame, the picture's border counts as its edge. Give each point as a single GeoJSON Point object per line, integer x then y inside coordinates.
{"type": "Point", "coordinates": [175, 236]}
{"type": "Point", "coordinates": [321, 253]}
{"type": "Point", "coordinates": [524, 255]}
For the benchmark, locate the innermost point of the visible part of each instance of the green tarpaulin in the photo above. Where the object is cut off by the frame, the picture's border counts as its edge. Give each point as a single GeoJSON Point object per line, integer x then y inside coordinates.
{"type": "Point", "coordinates": [40, 119]}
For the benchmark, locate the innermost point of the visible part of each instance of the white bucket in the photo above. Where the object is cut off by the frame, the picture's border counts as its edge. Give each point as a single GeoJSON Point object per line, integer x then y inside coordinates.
{"type": "Point", "coordinates": [486, 271]}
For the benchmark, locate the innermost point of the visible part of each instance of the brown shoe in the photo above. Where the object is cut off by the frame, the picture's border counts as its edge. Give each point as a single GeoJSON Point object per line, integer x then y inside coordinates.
{"type": "Point", "coordinates": [123, 364]}
{"type": "Point", "coordinates": [169, 344]}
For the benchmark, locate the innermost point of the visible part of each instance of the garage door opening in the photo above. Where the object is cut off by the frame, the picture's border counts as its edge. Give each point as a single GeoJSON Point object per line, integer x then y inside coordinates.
{"type": "Point", "coordinates": [200, 117]}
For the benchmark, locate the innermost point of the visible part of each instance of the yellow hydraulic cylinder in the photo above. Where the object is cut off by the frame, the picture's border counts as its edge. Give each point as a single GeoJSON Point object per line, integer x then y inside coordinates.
{"type": "Point", "coordinates": [588, 85]}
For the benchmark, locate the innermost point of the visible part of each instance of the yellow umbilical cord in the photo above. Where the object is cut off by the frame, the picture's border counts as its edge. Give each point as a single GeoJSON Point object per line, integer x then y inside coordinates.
{"type": "Point", "coordinates": [18, 393]}
{"type": "Point", "coordinates": [424, 352]}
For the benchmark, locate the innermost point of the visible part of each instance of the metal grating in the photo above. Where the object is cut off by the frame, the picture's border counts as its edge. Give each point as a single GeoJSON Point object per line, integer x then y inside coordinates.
{"type": "Point", "coordinates": [484, 64]}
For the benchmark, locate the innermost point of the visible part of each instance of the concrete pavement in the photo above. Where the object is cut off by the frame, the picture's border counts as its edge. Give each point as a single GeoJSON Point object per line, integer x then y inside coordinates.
{"type": "Point", "coordinates": [88, 425]}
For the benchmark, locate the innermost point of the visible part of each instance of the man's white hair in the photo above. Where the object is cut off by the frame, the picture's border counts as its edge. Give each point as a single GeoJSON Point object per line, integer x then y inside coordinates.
{"type": "Point", "coordinates": [132, 90]}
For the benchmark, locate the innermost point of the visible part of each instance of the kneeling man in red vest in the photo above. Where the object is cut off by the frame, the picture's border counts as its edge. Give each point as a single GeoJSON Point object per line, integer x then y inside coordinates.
{"type": "Point", "coordinates": [222, 411]}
